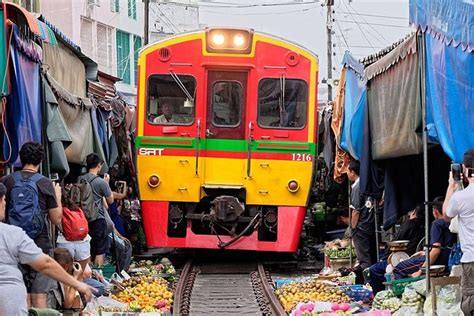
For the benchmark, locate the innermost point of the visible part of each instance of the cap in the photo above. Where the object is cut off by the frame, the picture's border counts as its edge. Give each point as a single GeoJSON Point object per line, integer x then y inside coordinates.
{"type": "Point", "coordinates": [437, 201]}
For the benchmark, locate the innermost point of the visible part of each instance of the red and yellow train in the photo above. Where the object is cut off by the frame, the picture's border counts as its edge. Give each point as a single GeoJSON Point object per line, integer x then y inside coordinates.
{"type": "Point", "coordinates": [226, 140]}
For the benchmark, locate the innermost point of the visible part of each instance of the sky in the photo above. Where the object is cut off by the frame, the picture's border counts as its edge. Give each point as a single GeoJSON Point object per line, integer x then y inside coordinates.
{"type": "Point", "coordinates": [362, 27]}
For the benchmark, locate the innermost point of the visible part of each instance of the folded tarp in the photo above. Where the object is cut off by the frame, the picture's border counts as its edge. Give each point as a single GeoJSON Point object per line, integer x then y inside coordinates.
{"type": "Point", "coordinates": [354, 107]}
{"type": "Point", "coordinates": [450, 96]}
{"type": "Point", "coordinates": [394, 103]}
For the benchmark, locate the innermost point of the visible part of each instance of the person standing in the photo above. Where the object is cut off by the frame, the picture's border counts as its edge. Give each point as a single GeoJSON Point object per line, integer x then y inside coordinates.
{"type": "Point", "coordinates": [17, 248]}
{"type": "Point", "coordinates": [33, 213]}
{"type": "Point", "coordinates": [101, 191]}
{"type": "Point", "coordinates": [461, 204]}
{"type": "Point", "coordinates": [362, 221]}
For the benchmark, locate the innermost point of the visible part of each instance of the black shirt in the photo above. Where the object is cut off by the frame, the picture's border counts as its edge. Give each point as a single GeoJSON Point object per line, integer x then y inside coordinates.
{"type": "Point", "coordinates": [46, 199]}
{"type": "Point", "coordinates": [411, 230]}
{"type": "Point", "coordinates": [366, 221]}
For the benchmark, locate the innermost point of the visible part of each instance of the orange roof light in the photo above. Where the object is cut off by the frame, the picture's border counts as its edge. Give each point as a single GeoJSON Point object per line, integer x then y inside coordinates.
{"type": "Point", "coordinates": [229, 40]}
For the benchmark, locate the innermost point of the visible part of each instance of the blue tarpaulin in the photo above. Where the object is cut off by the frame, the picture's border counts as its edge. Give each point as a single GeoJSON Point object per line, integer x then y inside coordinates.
{"type": "Point", "coordinates": [449, 60]}
{"type": "Point", "coordinates": [450, 97]}
{"type": "Point", "coordinates": [354, 107]}
{"type": "Point", "coordinates": [452, 21]}
{"type": "Point", "coordinates": [24, 108]}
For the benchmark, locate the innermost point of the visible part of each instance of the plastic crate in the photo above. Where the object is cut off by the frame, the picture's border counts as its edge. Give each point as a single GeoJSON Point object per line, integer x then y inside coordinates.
{"type": "Point", "coordinates": [319, 216]}
{"type": "Point", "coordinates": [359, 293]}
{"type": "Point", "coordinates": [398, 286]}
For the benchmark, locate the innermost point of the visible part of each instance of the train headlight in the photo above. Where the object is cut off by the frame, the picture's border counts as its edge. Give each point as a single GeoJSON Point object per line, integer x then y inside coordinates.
{"type": "Point", "coordinates": [293, 186]}
{"type": "Point", "coordinates": [229, 40]}
{"type": "Point", "coordinates": [218, 39]}
{"type": "Point", "coordinates": [239, 40]}
{"type": "Point", "coordinates": [154, 181]}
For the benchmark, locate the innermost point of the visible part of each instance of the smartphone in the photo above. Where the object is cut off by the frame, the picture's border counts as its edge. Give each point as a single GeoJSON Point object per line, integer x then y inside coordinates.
{"type": "Point", "coordinates": [456, 170]}
{"type": "Point", "coordinates": [54, 176]}
{"type": "Point", "coordinates": [120, 186]}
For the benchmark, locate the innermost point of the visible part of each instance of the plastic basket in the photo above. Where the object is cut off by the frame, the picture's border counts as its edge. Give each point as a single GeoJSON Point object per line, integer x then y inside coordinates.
{"type": "Point", "coordinates": [319, 216]}
{"type": "Point", "coordinates": [398, 286]}
{"type": "Point", "coordinates": [107, 270]}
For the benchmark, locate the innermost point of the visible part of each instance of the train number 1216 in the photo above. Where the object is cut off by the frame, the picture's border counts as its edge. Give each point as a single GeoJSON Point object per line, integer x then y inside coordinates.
{"type": "Point", "coordinates": [301, 157]}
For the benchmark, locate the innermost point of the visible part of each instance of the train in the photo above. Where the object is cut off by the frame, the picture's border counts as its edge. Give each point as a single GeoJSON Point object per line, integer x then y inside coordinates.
{"type": "Point", "coordinates": [226, 140]}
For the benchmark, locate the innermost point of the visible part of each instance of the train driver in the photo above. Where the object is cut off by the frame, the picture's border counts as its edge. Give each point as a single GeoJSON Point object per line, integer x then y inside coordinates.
{"type": "Point", "coordinates": [167, 116]}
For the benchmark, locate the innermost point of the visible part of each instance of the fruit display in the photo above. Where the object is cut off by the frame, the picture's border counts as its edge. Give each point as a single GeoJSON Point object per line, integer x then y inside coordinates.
{"type": "Point", "coordinates": [339, 249]}
{"type": "Point", "coordinates": [391, 304]}
{"type": "Point", "coordinates": [162, 268]}
{"type": "Point", "coordinates": [292, 294]}
{"type": "Point", "coordinates": [145, 294]}
{"type": "Point", "coordinates": [380, 298]}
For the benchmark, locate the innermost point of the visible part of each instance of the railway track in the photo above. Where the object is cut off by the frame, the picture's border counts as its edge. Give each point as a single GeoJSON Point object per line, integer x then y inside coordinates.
{"type": "Point", "coordinates": [225, 290]}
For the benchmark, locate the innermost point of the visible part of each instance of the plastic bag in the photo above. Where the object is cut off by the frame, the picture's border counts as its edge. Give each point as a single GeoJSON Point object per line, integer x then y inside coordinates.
{"type": "Point", "coordinates": [411, 299]}
{"type": "Point", "coordinates": [408, 310]}
{"type": "Point", "coordinates": [448, 300]}
{"type": "Point", "coordinates": [419, 287]}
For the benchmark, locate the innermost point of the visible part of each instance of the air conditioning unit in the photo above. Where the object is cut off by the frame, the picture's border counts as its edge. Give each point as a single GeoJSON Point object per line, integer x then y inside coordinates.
{"type": "Point", "coordinates": [95, 3]}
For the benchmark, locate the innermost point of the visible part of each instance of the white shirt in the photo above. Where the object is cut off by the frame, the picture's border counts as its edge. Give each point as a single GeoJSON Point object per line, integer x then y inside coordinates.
{"type": "Point", "coordinates": [462, 205]}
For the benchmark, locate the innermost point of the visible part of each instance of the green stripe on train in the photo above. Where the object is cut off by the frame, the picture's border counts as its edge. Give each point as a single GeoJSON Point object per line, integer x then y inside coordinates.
{"type": "Point", "coordinates": [230, 145]}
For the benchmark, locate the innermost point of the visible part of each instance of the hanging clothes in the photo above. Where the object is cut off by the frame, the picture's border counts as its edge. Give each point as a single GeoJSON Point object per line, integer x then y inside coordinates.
{"type": "Point", "coordinates": [342, 158]}
{"type": "Point", "coordinates": [23, 112]}
{"type": "Point", "coordinates": [328, 138]}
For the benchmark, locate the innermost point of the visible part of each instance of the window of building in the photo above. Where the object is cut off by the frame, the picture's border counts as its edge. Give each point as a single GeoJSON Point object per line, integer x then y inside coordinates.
{"type": "Point", "coordinates": [115, 6]}
{"type": "Point", "coordinates": [132, 9]}
{"type": "Point", "coordinates": [168, 99]}
{"type": "Point", "coordinates": [287, 110]}
{"type": "Point", "coordinates": [137, 44]}
{"type": "Point", "coordinates": [104, 48]}
{"type": "Point", "coordinates": [226, 103]}
{"type": "Point", "coordinates": [123, 56]}
{"type": "Point", "coordinates": [30, 5]}
{"type": "Point", "coordinates": [87, 43]}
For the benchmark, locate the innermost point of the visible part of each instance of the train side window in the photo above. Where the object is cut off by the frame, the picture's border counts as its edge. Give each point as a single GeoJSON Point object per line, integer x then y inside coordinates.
{"type": "Point", "coordinates": [169, 99]}
{"type": "Point", "coordinates": [287, 110]}
{"type": "Point", "coordinates": [226, 103]}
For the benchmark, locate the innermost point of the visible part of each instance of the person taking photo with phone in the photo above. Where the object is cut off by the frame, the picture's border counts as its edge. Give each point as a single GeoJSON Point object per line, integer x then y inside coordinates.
{"type": "Point", "coordinates": [460, 203]}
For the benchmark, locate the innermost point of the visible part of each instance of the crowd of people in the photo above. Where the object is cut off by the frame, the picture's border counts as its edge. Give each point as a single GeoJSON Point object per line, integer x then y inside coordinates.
{"type": "Point", "coordinates": [453, 220]}
{"type": "Point", "coordinates": [41, 265]}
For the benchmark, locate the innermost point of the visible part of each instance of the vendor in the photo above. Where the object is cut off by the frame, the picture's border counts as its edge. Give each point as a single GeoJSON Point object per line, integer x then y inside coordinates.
{"type": "Point", "coordinates": [343, 220]}
{"type": "Point", "coordinates": [441, 242]}
{"type": "Point", "coordinates": [411, 230]}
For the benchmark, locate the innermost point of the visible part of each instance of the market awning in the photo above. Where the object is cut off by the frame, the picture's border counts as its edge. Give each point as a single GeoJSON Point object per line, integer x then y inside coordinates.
{"type": "Point", "coordinates": [450, 20]}
{"type": "Point", "coordinates": [47, 35]}
{"type": "Point", "coordinates": [20, 16]}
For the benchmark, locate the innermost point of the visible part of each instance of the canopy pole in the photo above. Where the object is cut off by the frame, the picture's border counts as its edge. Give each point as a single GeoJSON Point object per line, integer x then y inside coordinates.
{"type": "Point", "coordinates": [421, 52]}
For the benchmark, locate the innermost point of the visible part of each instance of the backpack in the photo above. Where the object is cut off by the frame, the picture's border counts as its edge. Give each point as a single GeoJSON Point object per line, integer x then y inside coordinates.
{"type": "Point", "coordinates": [74, 224]}
{"type": "Point", "coordinates": [24, 210]}
{"type": "Point", "coordinates": [81, 195]}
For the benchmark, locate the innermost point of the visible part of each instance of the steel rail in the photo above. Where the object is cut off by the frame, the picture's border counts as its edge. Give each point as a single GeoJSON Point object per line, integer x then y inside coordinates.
{"type": "Point", "coordinates": [269, 292]}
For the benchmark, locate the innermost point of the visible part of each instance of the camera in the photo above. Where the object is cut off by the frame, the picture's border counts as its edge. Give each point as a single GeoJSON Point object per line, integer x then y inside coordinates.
{"type": "Point", "coordinates": [456, 170]}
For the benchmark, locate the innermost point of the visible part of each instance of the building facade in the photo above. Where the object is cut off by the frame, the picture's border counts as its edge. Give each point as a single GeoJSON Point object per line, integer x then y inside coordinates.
{"type": "Point", "coordinates": [108, 31]}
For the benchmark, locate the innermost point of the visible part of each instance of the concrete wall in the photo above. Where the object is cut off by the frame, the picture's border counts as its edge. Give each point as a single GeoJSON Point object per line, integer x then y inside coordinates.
{"type": "Point", "coordinates": [67, 15]}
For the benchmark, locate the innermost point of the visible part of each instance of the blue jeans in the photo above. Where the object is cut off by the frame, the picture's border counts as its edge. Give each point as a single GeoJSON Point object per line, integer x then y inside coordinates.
{"type": "Point", "coordinates": [377, 276]}
{"type": "Point", "coordinates": [407, 267]}
{"type": "Point", "coordinates": [100, 287]}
